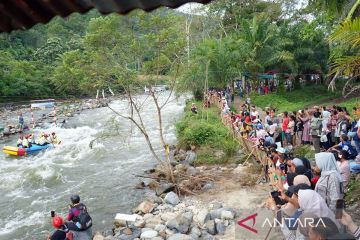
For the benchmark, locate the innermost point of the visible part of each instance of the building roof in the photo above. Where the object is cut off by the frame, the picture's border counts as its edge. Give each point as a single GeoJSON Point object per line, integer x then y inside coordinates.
{"type": "Point", "coordinates": [23, 14]}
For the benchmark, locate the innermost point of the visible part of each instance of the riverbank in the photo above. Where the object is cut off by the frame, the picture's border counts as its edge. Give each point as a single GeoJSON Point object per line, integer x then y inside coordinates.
{"type": "Point", "coordinates": [211, 137]}
{"type": "Point", "coordinates": [208, 215]}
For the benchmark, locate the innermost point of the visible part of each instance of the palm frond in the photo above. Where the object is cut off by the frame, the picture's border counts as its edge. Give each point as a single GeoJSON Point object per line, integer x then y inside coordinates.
{"type": "Point", "coordinates": [347, 65]}
{"type": "Point", "coordinates": [347, 32]}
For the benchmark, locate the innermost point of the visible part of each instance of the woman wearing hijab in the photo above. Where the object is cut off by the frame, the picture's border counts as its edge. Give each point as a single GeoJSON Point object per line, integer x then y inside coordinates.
{"type": "Point", "coordinates": [311, 201]}
{"type": "Point", "coordinates": [329, 184]}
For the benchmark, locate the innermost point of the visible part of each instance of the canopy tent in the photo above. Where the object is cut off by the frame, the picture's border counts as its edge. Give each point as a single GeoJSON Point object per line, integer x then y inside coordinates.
{"type": "Point", "coordinates": [22, 14]}
{"type": "Point", "coordinates": [42, 105]}
{"type": "Point", "coordinates": [260, 75]}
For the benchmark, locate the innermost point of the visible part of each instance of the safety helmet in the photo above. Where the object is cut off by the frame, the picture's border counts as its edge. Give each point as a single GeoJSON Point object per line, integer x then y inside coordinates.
{"type": "Point", "coordinates": [57, 222]}
{"type": "Point", "coordinates": [75, 199]}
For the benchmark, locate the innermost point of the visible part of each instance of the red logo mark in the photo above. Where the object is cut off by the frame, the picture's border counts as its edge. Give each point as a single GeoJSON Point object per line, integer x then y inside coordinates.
{"type": "Point", "coordinates": [253, 217]}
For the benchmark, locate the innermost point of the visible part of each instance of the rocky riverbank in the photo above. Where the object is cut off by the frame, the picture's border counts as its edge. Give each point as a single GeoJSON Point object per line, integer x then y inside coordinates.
{"type": "Point", "coordinates": [65, 110]}
{"type": "Point", "coordinates": [209, 215]}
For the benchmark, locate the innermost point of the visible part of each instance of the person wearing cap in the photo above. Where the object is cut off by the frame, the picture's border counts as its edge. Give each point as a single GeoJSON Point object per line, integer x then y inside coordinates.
{"type": "Point", "coordinates": [62, 232]}
{"type": "Point", "coordinates": [78, 219]}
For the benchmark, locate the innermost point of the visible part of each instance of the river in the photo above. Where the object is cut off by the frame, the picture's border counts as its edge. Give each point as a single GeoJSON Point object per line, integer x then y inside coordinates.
{"type": "Point", "coordinates": [32, 186]}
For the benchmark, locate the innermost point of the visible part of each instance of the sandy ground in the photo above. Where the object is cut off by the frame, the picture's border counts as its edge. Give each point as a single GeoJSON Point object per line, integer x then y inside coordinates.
{"type": "Point", "coordinates": [238, 189]}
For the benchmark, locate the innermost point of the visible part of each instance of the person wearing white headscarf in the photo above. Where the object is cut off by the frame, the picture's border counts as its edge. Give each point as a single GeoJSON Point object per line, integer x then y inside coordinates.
{"type": "Point", "coordinates": [329, 184]}
{"type": "Point", "coordinates": [311, 201]}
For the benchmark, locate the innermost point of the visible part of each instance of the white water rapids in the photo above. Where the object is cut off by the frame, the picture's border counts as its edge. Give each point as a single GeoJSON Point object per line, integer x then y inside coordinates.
{"type": "Point", "coordinates": [32, 186]}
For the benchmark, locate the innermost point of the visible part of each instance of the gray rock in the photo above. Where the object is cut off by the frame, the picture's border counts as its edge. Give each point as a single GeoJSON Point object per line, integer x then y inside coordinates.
{"type": "Point", "coordinates": [149, 235]}
{"type": "Point", "coordinates": [227, 215]}
{"type": "Point", "coordinates": [160, 227]}
{"type": "Point", "coordinates": [155, 199]}
{"type": "Point", "coordinates": [181, 222]}
{"type": "Point", "coordinates": [220, 228]}
{"type": "Point", "coordinates": [164, 188]}
{"type": "Point", "coordinates": [172, 198]}
{"type": "Point", "coordinates": [188, 216]}
{"type": "Point", "coordinates": [210, 227]}
{"type": "Point", "coordinates": [216, 213]}
{"type": "Point", "coordinates": [206, 236]}
{"type": "Point", "coordinates": [179, 236]}
{"type": "Point", "coordinates": [203, 216]}
{"type": "Point", "coordinates": [195, 231]}
{"type": "Point", "coordinates": [157, 238]}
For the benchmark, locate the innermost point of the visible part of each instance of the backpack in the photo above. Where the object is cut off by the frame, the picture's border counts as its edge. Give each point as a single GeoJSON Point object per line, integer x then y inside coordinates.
{"type": "Point", "coordinates": [83, 218]}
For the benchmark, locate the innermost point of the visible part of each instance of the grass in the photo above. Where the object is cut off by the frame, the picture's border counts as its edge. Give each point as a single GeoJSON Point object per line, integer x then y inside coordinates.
{"type": "Point", "coordinates": [296, 99]}
{"type": "Point", "coordinates": [205, 130]}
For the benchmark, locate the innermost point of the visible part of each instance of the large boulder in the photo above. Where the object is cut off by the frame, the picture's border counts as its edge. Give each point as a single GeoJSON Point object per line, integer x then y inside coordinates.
{"type": "Point", "coordinates": [172, 198]}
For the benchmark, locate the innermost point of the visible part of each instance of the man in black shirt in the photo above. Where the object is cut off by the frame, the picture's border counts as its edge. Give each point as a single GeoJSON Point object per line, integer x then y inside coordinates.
{"type": "Point", "coordinates": [62, 232]}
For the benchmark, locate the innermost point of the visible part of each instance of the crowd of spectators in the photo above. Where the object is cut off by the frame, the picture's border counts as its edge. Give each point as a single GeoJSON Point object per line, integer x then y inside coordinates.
{"type": "Point", "coordinates": [303, 187]}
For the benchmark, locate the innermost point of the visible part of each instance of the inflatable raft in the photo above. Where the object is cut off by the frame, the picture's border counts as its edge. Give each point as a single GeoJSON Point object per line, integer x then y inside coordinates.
{"type": "Point", "coordinates": [19, 151]}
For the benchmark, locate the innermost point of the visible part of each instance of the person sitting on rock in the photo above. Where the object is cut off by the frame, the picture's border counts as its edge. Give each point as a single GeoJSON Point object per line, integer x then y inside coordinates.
{"type": "Point", "coordinates": [79, 220]}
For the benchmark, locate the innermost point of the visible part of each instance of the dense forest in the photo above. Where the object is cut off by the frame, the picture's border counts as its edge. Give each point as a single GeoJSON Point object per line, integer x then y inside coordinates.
{"type": "Point", "coordinates": [77, 55]}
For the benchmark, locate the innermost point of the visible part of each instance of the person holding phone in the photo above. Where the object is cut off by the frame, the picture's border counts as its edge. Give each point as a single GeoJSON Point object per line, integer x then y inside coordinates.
{"type": "Point", "coordinates": [62, 232]}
